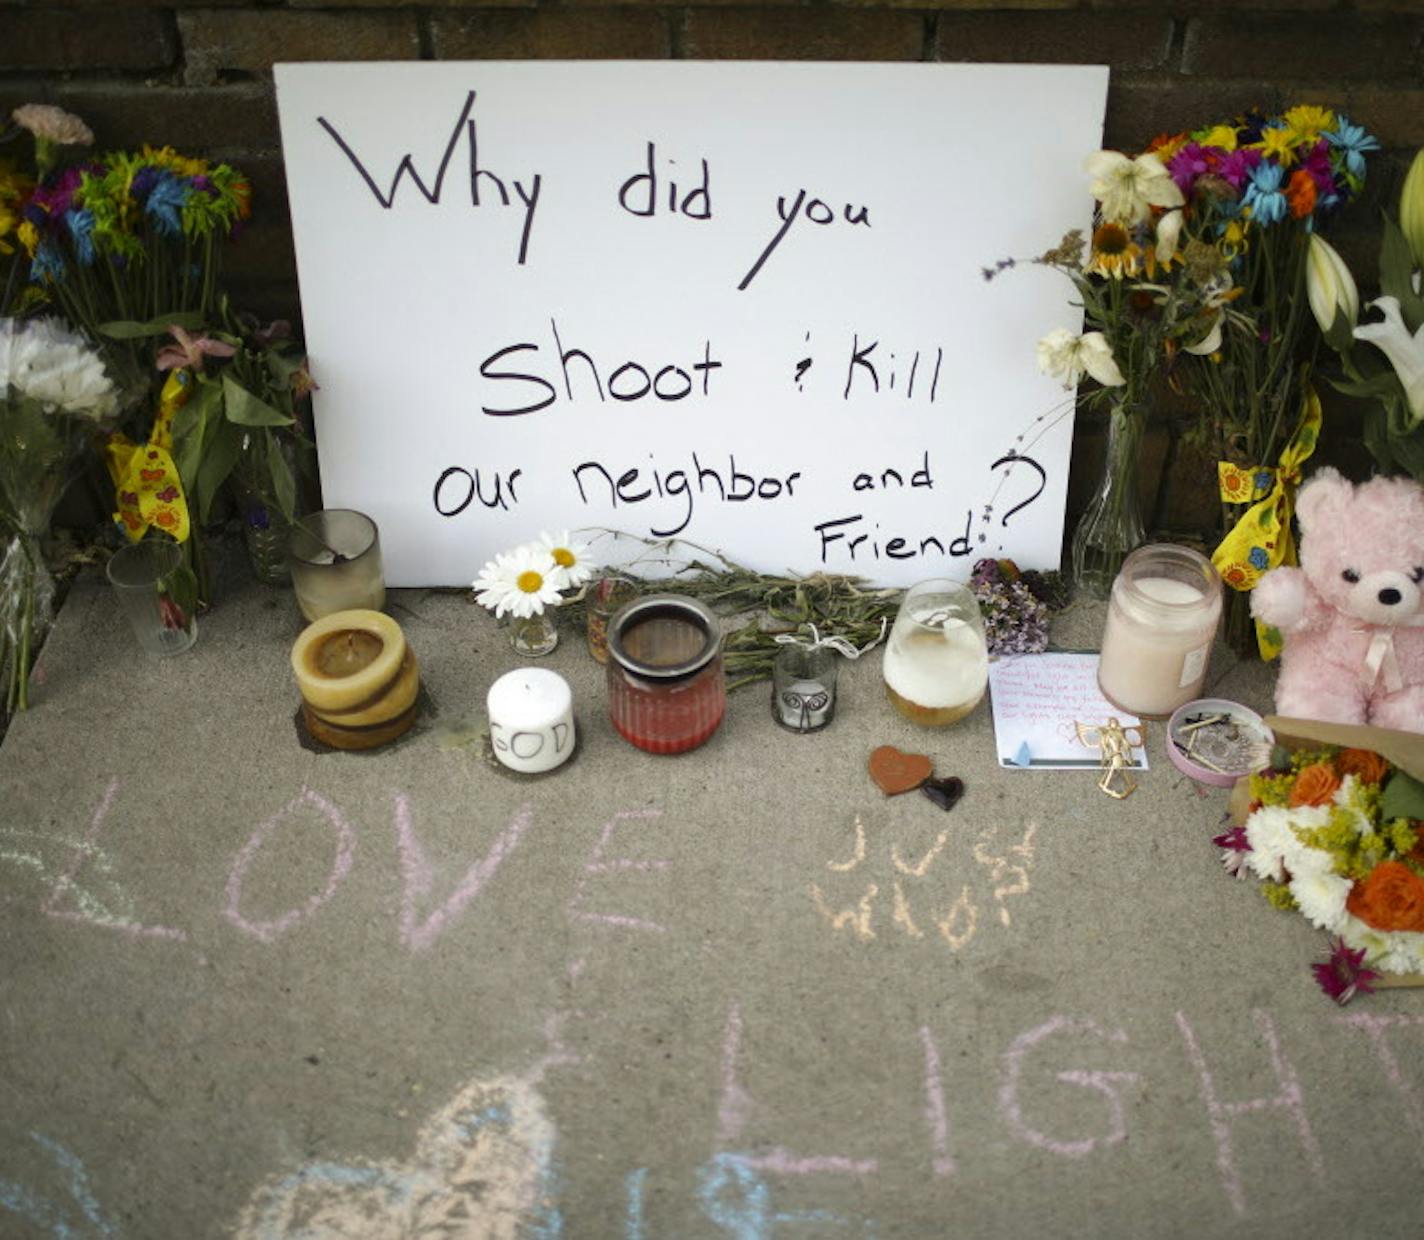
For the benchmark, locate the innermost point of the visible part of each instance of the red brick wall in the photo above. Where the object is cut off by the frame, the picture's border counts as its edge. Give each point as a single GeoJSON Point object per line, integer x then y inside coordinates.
{"type": "Point", "coordinates": [197, 73]}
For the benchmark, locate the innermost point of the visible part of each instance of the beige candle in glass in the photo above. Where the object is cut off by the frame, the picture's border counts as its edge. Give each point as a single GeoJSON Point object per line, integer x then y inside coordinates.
{"type": "Point", "coordinates": [936, 664]}
{"type": "Point", "coordinates": [336, 563]}
{"type": "Point", "coordinates": [1162, 618]}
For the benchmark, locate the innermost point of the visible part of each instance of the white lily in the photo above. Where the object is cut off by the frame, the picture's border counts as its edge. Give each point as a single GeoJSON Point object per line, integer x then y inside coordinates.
{"type": "Point", "coordinates": [1405, 352]}
{"type": "Point", "coordinates": [1411, 210]}
{"type": "Point", "coordinates": [1209, 343]}
{"type": "Point", "coordinates": [1169, 230]}
{"type": "Point", "coordinates": [1066, 356]}
{"type": "Point", "coordinates": [1129, 188]}
{"type": "Point", "coordinates": [1329, 284]}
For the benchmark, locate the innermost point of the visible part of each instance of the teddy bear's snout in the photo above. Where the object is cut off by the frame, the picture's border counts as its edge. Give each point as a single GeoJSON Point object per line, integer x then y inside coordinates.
{"type": "Point", "coordinates": [1385, 598]}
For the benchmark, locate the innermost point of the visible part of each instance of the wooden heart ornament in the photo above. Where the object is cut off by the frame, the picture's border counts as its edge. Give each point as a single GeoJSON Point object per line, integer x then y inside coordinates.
{"type": "Point", "coordinates": [895, 772]}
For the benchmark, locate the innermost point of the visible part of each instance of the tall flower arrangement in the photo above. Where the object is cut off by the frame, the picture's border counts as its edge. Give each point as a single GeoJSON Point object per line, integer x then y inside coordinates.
{"type": "Point", "coordinates": [54, 394]}
{"type": "Point", "coordinates": [1255, 190]}
{"type": "Point", "coordinates": [1383, 359]}
{"type": "Point", "coordinates": [1137, 313]}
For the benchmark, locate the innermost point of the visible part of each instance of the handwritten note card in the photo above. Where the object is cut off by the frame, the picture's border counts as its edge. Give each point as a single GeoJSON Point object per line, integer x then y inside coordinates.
{"type": "Point", "coordinates": [742, 304]}
{"type": "Point", "coordinates": [1038, 699]}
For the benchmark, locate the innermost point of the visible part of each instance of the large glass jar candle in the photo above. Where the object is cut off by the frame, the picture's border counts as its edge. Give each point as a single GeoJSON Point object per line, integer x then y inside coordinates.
{"type": "Point", "coordinates": [666, 689]}
{"type": "Point", "coordinates": [1162, 618]}
{"type": "Point", "coordinates": [936, 661]}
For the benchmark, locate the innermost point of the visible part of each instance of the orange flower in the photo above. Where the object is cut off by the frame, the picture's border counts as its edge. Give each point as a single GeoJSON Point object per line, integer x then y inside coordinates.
{"type": "Point", "coordinates": [1364, 764]}
{"type": "Point", "coordinates": [1391, 898]}
{"type": "Point", "coordinates": [1315, 785]}
{"type": "Point", "coordinates": [1300, 193]}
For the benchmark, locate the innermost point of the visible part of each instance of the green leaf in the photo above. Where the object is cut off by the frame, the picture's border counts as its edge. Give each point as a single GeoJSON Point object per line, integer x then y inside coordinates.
{"type": "Point", "coordinates": [284, 486]}
{"type": "Point", "coordinates": [1403, 797]}
{"type": "Point", "coordinates": [1397, 274]}
{"type": "Point", "coordinates": [218, 461]}
{"type": "Point", "coordinates": [246, 409]}
{"type": "Point", "coordinates": [191, 431]}
{"type": "Point", "coordinates": [127, 329]}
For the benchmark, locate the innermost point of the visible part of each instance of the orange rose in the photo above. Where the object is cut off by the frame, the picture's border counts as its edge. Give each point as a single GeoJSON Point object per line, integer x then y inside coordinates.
{"type": "Point", "coordinates": [1364, 764]}
{"type": "Point", "coordinates": [1391, 898]}
{"type": "Point", "coordinates": [1315, 785]}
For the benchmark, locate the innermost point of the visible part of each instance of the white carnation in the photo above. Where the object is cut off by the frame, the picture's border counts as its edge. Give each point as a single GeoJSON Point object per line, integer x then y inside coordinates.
{"type": "Point", "coordinates": [46, 362]}
{"type": "Point", "coordinates": [1275, 846]}
{"type": "Point", "coordinates": [1319, 891]}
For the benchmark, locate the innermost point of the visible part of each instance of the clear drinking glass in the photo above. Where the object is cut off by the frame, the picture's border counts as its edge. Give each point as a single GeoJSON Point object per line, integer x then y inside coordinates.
{"type": "Point", "coordinates": [145, 576]}
{"type": "Point", "coordinates": [937, 661]}
{"type": "Point", "coordinates": [605, 597]}
{"type": "Point", "coordinates": [336, 563]}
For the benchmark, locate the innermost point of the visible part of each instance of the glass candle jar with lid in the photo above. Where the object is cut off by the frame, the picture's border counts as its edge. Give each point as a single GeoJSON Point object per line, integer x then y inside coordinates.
{"type": "Point", "coordinates": [666, 689]}
{"type": "Point", "coordinates": [937, 661]}
{"type": "Point", "coordinates": [1162, 618]}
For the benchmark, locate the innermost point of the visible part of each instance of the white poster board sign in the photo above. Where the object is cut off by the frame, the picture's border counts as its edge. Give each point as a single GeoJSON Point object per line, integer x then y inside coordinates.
{"type": "Point", "coordinates": [738, 303]}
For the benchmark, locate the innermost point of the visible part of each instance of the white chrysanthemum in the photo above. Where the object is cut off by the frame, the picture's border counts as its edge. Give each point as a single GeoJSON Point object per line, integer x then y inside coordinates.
{"type": "Point", "coordinates": [46, 362]}
{"type": "Point", "coordinates": [1319, 892]}
{"type": "Point", "coordinates": [1275, 846]}
{"type": "Point", "coordinates": [1129, 188]}
{"type": "Point", "coordinates": [1068, 357]}
{"type": "Point", "coordinates": [571, 557]}
{"type": "Point", "coordinates": [1357, 935]}
{"type": "Point", "coordinates": [521, 582]}
{"type": "Point", "coordinates": [52, 124]}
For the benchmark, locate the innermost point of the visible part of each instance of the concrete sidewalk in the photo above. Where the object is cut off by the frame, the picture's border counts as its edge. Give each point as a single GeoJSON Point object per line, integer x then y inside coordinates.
{"type": "Point", "coordinates": [253, 989]}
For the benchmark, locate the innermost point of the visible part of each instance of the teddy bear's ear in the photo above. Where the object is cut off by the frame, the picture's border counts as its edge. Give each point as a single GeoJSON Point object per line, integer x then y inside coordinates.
{"type": "Point", "coordinates": [1323, 497]}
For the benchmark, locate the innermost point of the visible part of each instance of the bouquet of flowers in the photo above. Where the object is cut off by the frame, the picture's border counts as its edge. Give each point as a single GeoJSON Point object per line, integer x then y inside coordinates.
{"type": "Point", "coordinates": [1257, 189]}
{"type": "Point", "coordinates": [526, 580]}
{"type": "Point", "coordinates": [130, 240]}
{"type": "Point", "coordinates": [54, 394]}
{"type": "Point", "coordinates": [1391, 372]}
{"type": "Point", "coordinates": [1338, 836]}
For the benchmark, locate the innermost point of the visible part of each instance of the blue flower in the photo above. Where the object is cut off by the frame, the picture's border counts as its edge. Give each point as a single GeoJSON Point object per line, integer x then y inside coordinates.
{"type": "Point", "coordinates": [1263, 195]}
{"type": "Point", "coordinates": [47, 266]}
{"type": "Point", "coordinates": [165, 204]}
{"type": "Point", "coordinates": [80, 222]}
{"type": "Point", "coordinates": [1259, 559]}
{"type": "Point", "coordinates": [1263, 479]}
{"type": "Point", "coordinates": [1352, 142]}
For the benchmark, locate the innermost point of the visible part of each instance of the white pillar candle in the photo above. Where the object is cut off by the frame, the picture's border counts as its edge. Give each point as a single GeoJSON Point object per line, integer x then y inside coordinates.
{"type": "Point", "coordinates": [531, 718]}
{"type": "Point", "coordinates": [1162, 618]}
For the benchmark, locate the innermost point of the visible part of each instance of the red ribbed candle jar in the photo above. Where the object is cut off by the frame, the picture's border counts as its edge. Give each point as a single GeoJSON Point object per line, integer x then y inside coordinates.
{"type": "Point", "coordinates": [666, 690]}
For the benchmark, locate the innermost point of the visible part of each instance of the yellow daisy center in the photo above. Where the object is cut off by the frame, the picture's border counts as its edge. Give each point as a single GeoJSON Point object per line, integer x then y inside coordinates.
{"type": "Point", "coordinates": [563, 557]}
{"type": "Point", "coordinates": [529, 581]}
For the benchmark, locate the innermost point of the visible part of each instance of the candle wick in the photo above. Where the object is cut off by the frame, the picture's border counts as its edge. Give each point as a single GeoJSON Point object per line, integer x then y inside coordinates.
{"type": "Point", "coordinates": [337, 557]}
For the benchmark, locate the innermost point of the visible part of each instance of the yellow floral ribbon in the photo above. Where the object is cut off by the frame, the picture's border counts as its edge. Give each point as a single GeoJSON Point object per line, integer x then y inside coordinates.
{"type": "Point", "coordinates": [1262, 538]}
{"type": "Point", "coordinates": [150, 492]}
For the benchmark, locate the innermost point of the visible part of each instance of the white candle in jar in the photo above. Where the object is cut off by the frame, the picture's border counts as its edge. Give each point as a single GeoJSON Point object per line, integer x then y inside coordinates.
{"type": "Point", "coordinates": [531, 718]}
{"type": "Point", "coordinates": [1159, 630]}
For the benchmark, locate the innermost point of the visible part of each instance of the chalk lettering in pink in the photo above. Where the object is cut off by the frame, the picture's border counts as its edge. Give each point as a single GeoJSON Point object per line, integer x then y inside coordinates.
{"type": "Point", "coordinates": [734, 1106]}
{"type": "Point", "coordinates": [1221, 1114]}
{"type": "Point", "coordinates": [268, 931]}
{"type": "Point", "coordinates": [935, 1115]}
{"type": "Point", "coordinates": [418, 877]}
{"type": "Point", "coordinates": [89, 911]}
{"type": "Point", "coordinates": [1374, 1028]}
{"type": "Point", "coordinates": [1109, 1084]}
{"type": "Point", "coordinates": [599, 865]}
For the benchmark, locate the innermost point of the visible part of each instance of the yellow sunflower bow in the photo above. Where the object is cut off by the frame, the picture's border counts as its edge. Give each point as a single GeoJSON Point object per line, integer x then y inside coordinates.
{"type": "Point", "coordinates": [1262, 539]}
{"type": "Point", "coordinates": [150, 492]}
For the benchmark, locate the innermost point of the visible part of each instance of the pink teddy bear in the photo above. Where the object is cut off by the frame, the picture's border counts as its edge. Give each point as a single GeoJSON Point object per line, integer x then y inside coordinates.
{"type": "Point", "coordinates": [1352, 615]}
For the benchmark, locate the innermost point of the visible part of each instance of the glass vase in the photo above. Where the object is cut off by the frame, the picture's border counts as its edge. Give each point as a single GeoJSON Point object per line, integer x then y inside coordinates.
{"type": "Point", "coordinates": [1111, 525]}
{"type": "Point", "coordinates": [533, 635]}
{"type": "Point", "coordinates": [266, 533]}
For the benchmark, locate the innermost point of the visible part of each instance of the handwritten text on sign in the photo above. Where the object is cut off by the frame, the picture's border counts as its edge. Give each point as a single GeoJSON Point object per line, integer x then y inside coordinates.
{"type": "Point", "coordinates": [737, 303]}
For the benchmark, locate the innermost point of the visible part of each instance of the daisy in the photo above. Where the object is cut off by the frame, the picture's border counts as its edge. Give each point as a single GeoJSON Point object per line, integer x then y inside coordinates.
{"type": "Point", "coordinates": [521, 582]}
{"type": "Point", "coordinates": [1114, 254]}
{"type": "Point", "coordinates": [1130, 188]}
{"type": "Point", "coordinates": [571, 557]}
{"type": "Point", "coordinates": [1066, 356]}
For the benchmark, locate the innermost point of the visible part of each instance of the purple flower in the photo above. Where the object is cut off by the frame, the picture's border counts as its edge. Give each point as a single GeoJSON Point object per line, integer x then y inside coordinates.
{"type": "Point", "coordinates": [1234, 848]}
{"type": "Point", "coordinates": [1189, 163]}
{"type": "Point", "coordinates": [1344, 973]}
{"type": "Point", "coordinates": [1235, 166]}
{"type": "Point", "coordinates": [143, 181]}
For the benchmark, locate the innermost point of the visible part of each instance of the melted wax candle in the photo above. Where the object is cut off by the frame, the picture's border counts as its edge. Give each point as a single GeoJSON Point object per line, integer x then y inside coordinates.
{"type": "Point", "coordinates": [1162, 617]}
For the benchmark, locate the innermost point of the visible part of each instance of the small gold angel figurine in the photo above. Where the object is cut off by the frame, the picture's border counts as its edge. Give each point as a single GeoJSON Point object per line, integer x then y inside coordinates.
{"type": "Point", "coordinates": [1116, 744]}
